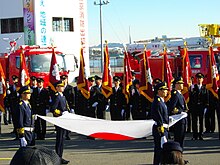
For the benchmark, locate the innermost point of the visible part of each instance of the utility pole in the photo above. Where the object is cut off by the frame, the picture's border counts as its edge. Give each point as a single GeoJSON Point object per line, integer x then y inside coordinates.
{"type": "Point", "coordinates": [100, 3]}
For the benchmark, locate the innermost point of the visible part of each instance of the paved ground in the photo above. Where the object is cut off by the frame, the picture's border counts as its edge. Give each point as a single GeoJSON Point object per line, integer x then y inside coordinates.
{"type": "Point", "coordinates": [82, 151]}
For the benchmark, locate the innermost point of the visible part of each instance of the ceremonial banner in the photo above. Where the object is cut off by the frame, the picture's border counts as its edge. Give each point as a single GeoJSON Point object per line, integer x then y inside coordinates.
{"type": "Point", "coordinates": [167, 74]}
{"type": "Point", "coordinates": [24, 74]}
{"type": "Point", "coordinates": [2, 88]}
{"type": "Point", "coordinates": [186, 74]}
{"type": "Point", "coordinates": [54, 75]}
{"type": "Point", "coordinates": [107, 76]}
{"type": "Point", "coordinates": [146, 82]}
{"type": "Point", "coordinates": [82, 82]}
{"type": "Point", "coordinates": [127, 79]}
{"type": "Point", "coordinates": [212, 75]}
{"type": "Point", "coordinates": [106, 129]}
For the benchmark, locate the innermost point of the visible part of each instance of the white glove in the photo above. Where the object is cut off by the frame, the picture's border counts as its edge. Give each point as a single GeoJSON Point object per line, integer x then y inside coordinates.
{"type": "Point", "coordinates": [146, 113]}
{"type": "Point", "coordinates": [47, 111]}
{"type": "Point", "coordinates": [23, 142]}
{"type": "Point", "coordinates": [0, 113]}
{"type": "Point", "coordinates": [163, 140]}
{"type": "Point", "coordinates": [65, 112]}
{"type": "Point", "coordinates": [205, 110]}
{"type": "Point", "coordinates": [72, 110]}
{"type": "Point", "coordinates": [122, 112]}
{"type": "Point", "coordinates": [8, 92]}
{"type": "Point", "coordinates": [106, 107]}
{"type": "Point", "coordinates": [34, 117]}
{"type": "Point", "coordinates": [95, 104]}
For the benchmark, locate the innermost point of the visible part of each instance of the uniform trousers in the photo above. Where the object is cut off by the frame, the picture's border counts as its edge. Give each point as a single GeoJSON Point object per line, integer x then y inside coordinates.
{"type": "Point", "coordinates": [59, 141]}
{"type": "Point", "coordinates": [197, 113]}
{"type": "Point", "coordinates": [180, 131]}
{"type": "Point", "coordinates": [157, 144]}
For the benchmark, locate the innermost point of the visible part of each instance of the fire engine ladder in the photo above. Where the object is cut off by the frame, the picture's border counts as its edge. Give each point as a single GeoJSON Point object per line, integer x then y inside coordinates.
{"type": "Point", "coordinates": [211, 32]}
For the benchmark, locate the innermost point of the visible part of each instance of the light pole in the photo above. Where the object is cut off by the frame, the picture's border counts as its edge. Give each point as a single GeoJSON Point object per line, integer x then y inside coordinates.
{"type": "Point", "coordinates": [100, 3]}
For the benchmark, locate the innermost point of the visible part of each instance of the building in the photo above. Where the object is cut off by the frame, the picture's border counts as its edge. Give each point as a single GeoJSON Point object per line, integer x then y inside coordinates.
{"type": "Point", "coordinates": [45, 22]}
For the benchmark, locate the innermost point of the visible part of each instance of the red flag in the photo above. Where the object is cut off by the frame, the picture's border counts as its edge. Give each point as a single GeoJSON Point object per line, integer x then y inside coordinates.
{"type": "Point", "coordinates": [212, 75]}
{"type": "Point", "coordinates": [107, 76]}
{"type": "Point", "coordinates": [186, 74]}
{"type": "Point", "coordinates": [82, 82]}
{"type": "Point", "coordinates": [2, 88]}
{"type": "Point", "coordinates": [167, 74]}
{"type": "Point", "coordinates": [24, 75]}
{"type": "Point", "coordinates": [54, 75]}
{"type": "Point", "coordinates": [127, 79]}
{"type": "Point", "coordinates": [146, 87]}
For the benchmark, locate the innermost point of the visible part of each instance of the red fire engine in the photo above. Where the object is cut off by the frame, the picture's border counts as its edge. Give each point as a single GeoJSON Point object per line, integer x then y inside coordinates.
{"type": "Point", "coordinates": [37, 60]}
{"type": "Point", "coordinates": [198, 54]}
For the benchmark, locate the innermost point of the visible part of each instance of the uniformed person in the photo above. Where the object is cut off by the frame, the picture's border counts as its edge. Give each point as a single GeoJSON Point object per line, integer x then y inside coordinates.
{"type": "Point", "coordinates": [40, 105]}
{"type": "Point", "coordinates": [88, 105]}
{"type": "Point", "coordinates": [177, 104]}
{"type": "Point", "coordinates": [59, 106]}
{"type": "Point", "coordinates": [70, 97]}
{"type": "Point", "coordinates": [100, 98]}
{"type": "Point", "coordinates": [25, 119]}
{"type": "Point", "coordinates": [33, 83]}
{"type": "Point", "coordinates": [160, 116]}
{"type": "Point", "coordinates": [117, 101]}
{"type": "Point", "coordinates": [138, 103]}
{"type": "Point", "coordinates": [210, 114]}
{"type": "Point", "coordinates": [78, 95]}
{"type": "Point", "coordinates": [14, 99]}
{"type": "Point", "coordinates": [200, 104]}
{"type": "Point", "coordinates": [7, 113]}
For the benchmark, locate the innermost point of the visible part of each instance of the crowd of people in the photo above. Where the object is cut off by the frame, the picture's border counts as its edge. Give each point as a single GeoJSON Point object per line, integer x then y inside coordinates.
{"type": "Point", "coordinates": [22, 103]}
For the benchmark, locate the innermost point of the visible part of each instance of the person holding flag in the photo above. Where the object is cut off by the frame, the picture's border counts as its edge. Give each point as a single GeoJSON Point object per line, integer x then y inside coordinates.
{"type": "Point", "coordinates": [177, 105]}
{"type": "Point", "coordinates": [159, 114]}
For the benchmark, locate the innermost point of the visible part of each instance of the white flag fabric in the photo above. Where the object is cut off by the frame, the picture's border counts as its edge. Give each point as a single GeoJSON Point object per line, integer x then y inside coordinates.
{"type": "Point", "coordinates": [106, 129]}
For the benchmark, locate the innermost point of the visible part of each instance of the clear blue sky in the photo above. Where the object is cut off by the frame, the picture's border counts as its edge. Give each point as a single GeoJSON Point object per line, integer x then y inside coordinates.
{"type": "Point", "coordinates": [150, 18]}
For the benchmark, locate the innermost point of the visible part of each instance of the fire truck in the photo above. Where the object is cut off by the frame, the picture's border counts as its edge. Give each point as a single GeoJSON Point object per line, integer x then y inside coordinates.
{"type": "Point", "coordinates": [197, 49]}
{"type": "Point", "coordinates": [38, 61]}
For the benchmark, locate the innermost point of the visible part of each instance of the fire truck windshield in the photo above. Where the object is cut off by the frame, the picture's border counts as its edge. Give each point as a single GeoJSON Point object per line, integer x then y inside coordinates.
{"type": "Point", "coordinates": [41, 62]}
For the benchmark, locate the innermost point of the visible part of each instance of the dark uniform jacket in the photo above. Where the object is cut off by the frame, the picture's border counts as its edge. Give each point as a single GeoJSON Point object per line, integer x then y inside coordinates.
{"type": "Point", "coordinates": [117, 99]}
{"type": "Point", "coordinates": [139, 105]}
{"type": "Point", "coordinates": [59, 103]}
{"type": "Point", "coordinates": [100, 98]}
{"type": "Point", "coordinates": [177, 101]}
{"type": "Point", "coordinates": [13, 96]}
{"type": "Point", "coordinates": [24, 116]}
{"type": "Point", "coordinates": [159, 111]}
{"type": "Point", "coordinates": [70, 96]}
{"type": "Point", "coordinates": [40, 101]}
{"type": "Point", "coordinates": [200, 96]}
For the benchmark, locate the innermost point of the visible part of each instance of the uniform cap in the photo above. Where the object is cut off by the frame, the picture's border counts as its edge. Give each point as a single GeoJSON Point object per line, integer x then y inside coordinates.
{"type": "Point", "coordinates": [157, 80]}
{"type": "Point", "coordinates": [40, 80]}
{"type": "Point", "coordinates": [63, 77]}
{"type": "Point", "coordinates": [59, 83]}
{"type": "Point", "coordinates": [116, 78]}
{"type": "Point", "coordinates": [161, 86]}
{"type": "Point", "coordinates": [97, 77]}
{"type": "Point", "coordinates": [200, 75]}
{"type": "Point", "coordinates": [24, 90]}
{"type": "Point", "coordinates": [92, 78]}
{"type": "Point", "coordinates": [172, 146]}
{"type": "Point", "coordinates": [178, 80]}
{"type": "Point", "coordinates": [14, 77]}
{"type": "Point", "coordinates": [33, 78]}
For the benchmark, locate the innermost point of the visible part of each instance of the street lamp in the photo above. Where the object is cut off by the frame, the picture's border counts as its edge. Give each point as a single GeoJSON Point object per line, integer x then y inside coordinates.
{"type": "Point", "coordinates": [100, 3]}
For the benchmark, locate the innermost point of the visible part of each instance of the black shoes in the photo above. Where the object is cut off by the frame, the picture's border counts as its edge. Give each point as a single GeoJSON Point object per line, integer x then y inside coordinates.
{"type": "Point", "coordinates": [63, 161]}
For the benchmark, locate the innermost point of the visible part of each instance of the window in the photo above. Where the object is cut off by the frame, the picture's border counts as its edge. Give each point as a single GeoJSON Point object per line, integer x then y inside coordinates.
{"type": "Point", "coordinates": [195, 61]}
{"type": "Point", "coordinates": [68, 24]}
{"type": "Point", "coordinates": [63, 24]}
{"type": "Point", "coordinates": [12, 25]}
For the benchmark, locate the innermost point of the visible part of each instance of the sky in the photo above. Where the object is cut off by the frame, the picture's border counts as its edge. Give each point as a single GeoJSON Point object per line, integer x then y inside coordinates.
{"type": "Point", "coordinates": [148, 19]}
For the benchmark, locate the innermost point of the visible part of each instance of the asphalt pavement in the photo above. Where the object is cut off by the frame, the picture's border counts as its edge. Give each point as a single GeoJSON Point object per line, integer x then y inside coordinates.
{"type": "Point", "coordinates": [82, 151]}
